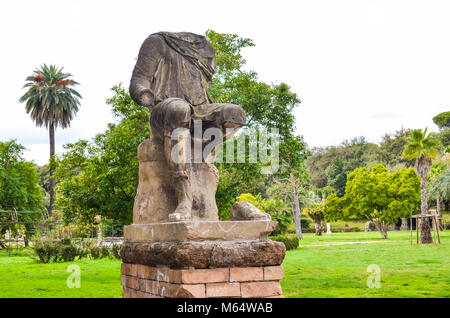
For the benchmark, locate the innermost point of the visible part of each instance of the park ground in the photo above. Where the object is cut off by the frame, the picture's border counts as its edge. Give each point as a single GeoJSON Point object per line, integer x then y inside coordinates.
{"type": "Point", "coordinates": [322, 266]}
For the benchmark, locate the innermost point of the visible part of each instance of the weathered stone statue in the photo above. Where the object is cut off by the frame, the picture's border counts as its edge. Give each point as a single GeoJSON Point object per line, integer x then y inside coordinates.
{"type": "Point", "coordinates": [172, 77]}
{"type": "Point", "coordinates": [176, 246]}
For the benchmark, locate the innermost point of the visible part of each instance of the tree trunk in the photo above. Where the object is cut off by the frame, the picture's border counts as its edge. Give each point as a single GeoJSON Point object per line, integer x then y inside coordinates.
{"type": "Point", "coordinates": [380, 226]}
{"type": "Point", "coordinates": [296, 209]}
{"type": "Point", "coordinates": [318, 228]}
{"type": "Point", "coordinates": [383, 232]}
{"type": "Point", "coordinates": [52, 153]}
{"type": "Point", "coordinates": [425, 229]}
{"type": "Point", "coordinates": [383, 229]}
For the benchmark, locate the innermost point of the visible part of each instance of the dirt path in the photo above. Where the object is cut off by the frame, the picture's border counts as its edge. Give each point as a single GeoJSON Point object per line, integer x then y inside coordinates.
{"type": "Point", "coordinates": [345, 243]}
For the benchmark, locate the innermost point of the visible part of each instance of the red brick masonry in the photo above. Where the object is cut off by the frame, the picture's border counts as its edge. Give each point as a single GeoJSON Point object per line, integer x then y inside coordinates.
{"type": "Point", "coordinates": [142, 281]}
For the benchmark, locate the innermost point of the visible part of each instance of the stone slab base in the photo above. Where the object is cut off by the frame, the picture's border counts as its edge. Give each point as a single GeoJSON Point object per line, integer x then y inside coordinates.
{"type": "Point", "coordinates": [211, 254]}
{"type": "Point", "coordinates": [142, 281]}
{"type": "Point", "coordinates": [199, 231]}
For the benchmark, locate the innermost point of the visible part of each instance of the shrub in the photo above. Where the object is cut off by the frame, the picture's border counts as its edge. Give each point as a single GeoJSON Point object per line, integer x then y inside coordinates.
{"type": "Point", "coordinates": [53, 251]}
{"type": "Point", "coordinates": [45, 251]}
{"type": "Point", "coordinates": [68, 252]}
{"type": "Point", "coordinates": [96, 252]}
{"type": "Point", "coordinates": [305, 223]}
{"type": "Point", "coordinates": [105, 251]}
{"type": "Point", "coordinates": [17, 252]}
{"type": "Point", "coordinates": [115, 251]}
{"type": "Point", "coordinates": [66, 241]}
{"type": "Point", "coordinates": [290, 241]}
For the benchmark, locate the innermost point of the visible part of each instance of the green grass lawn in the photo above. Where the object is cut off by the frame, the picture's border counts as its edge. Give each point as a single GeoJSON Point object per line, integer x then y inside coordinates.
{"type": "Point", "coordinates": [311, 270]}
{"type": "Point", "coordinates": [341, 270]}
{"type": "Point", "coordinates": [20, 276]}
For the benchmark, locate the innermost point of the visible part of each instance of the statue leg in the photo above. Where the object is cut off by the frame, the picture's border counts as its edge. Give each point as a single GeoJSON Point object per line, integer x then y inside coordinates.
{"type": "Point", "coordinates": [178, 115]}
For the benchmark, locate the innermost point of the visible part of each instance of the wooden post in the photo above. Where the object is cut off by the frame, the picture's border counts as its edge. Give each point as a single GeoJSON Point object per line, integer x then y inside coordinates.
{"type": "Point", "coordinates": [434, 228]}
{"type": "Point", "coordinates": [437, 229]}
{"type": "Point", "coordinates": [417, 229]}
{"type": "Point", "coordinates": [410, 228]}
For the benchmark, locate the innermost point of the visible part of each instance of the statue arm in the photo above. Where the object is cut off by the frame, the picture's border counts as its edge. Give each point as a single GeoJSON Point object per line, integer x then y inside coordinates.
{"type": "Point", "coordinates": [149, 58]}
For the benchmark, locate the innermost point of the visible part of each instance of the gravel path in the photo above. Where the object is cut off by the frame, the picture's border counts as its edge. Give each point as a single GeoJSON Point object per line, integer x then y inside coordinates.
{"type": "Point", "coordinates": [345, 243]}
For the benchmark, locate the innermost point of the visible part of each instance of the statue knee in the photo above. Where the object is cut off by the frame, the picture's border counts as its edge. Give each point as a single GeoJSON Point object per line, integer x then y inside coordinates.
{"type": "Point", "coordinates": [178, 114]}
{"type": "Point", "coordinates": [233, 116]}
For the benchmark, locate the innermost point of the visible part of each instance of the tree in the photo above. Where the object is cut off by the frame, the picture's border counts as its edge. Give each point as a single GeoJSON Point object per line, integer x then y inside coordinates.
{"type": "Point", "coordinates": [267, 106]}
{"type": "Point", "coordinates": [19, 187]}
{"type": "Point", "coordinates": [316, 214]}
{"type": "Point", "coordinates": [51, 101]}
{"type": "Point", "coordinates": [292, 188]}
{"type": "Point", "coordinates": [422, 148]}
{"type": "Point", "coordinates": [101, 177]}
{"type": "Point", "coordinates": [378, 195]}
{"type": "Point", "coordinates": [331, 165]}
{"type": "Point", "coordinates": [19, 181]}
{"type": "Point", "coordinates": [444, 137]}
{"type": "Point", "coordinates": [390, 151]}
{"type": "Point", "coordinates": [337, 173]}
{"type": "Point", "coordinates": [439, 189]}
{"type": "Point", "coordinates": [442, 120]}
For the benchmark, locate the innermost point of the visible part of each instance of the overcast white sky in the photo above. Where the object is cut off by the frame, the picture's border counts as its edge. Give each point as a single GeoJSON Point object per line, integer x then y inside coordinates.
{"type": "Point", "coordinates": [361, 68]}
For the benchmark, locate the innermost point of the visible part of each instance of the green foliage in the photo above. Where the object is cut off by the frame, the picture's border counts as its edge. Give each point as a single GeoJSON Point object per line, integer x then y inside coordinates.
{"type": "Point", "coordinates": [268, 106]}
{"type": "Point", "coordinates": [390, 151]}
{"type": "Point", "coordinates": [228, 50]}
{"type": "Point", "coordinates": [420, 145]}
{"type": "Point", "coordinates": [331, 165]}
{"type": "Point", "coordinates": [45, 251]}
{"type": "Point", "coordinates": [444, 137]}
{"type": "Point", "coordinates": [442, 120]}
{"type": "Point", "coordinates": [440, 186]}
{"type": "Point", "coordinates": [101, 177]}
{"type": "Point", "coordinates": [315, 212]}
{"type": "Point", "coordinates": [291, 241]}
{"type": "Point", "coordinates": [19, 180]}
{"type": "Point", "coordinates": [250, 198]}
{"type": "Point", "coordinates": [105, 251]}
{"type": "Point", "coordinates": [305, 223]}
{"type": "Point", "coordinates": [48, 250]}
{"type": "Point", "coordinates": [376, 194]}
{"type": "Point", "coordinates": [19, 190]}
{"type": "Point", "coordinates": [96, 252]}
{"type": "Point", "coordinates": [276, 208]}
{"type": "Point", "coordinates": [68, 252]}
{"type": "Point", "coordinates": [280, 212]}
{"type": "Point", "coordinates": [115, 251]}
{"type": "Point", "coordinates": [50, 99]}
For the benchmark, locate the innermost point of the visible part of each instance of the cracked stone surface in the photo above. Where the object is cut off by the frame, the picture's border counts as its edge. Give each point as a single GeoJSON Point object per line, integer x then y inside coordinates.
{"type": "Point", "coordinates": [212, 254]}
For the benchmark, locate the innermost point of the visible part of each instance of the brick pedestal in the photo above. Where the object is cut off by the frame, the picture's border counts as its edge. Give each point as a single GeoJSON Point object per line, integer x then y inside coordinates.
{"type": "Point", "coordinates": [143, 281]}
{"type": "Point", "coordinates": [202, 259]}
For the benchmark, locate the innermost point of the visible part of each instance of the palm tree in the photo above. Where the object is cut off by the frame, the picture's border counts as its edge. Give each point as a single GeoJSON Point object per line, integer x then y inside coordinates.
{"type": "Point", "coordinates": [422, 148]}
{"type": "Point", "coordinates": [440, 190]}
{"type": "Point", "coordinates": [51, 101]}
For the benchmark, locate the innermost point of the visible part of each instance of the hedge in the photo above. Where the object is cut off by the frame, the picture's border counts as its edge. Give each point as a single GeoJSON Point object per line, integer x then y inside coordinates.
{"type": "Point", "coordinates": [290, 240]}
